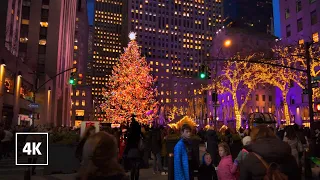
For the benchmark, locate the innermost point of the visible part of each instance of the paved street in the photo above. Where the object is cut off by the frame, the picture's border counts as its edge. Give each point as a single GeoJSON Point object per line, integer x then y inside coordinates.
{"type": "Point", "coordinates": [8, 171]}
{"type": "Point", "coordinates": [16, 173]}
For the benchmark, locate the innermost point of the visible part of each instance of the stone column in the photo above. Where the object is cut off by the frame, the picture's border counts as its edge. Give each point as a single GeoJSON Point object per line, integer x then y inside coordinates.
{"type": "Point", "coordinates": [48, 103]}
{"type": "Point", "coordinates": [2, 80]}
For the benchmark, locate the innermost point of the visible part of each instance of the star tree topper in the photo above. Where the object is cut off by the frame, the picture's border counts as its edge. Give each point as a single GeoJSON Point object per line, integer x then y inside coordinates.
{"type": "Point", "coordinates": [132, 36]}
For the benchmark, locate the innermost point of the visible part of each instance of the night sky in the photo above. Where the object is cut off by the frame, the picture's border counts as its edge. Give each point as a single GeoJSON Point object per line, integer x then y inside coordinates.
{"type": "Point", "coordinates": [90, 5]}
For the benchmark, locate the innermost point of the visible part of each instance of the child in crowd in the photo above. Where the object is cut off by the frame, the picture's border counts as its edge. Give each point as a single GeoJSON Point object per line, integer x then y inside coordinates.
{"type": "Point", "coordinates": [207, 170]}
{"type": "Point", "coordinates": [226, 168]}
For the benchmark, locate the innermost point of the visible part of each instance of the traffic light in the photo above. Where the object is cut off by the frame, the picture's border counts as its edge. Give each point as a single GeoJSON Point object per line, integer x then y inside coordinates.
{"type": "Point", "coordinates": [203, 71]}
{"type": "Point", "coordinates": [72, 80]}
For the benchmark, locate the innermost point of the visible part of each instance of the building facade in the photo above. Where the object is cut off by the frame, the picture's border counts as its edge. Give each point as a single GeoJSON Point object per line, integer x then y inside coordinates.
{"type": "Point", "coordinates": [107, 45]}
{"type": "Point", "coordinates": [46, 38]}
{"type": "Point", "coordinates": [256, 14]}
{"type": "Point", "coordinates": [175, 37]}
{"type": "Point", "coordinates": [17, 82]}
{"type": "Point", "coordinates": [81, 93]}
{"type": "Point", "coordinates": [298, 22]}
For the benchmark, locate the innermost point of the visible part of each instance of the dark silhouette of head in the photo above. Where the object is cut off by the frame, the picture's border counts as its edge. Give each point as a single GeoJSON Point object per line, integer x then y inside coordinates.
{"type": "Point", "coordinates": [133, 117]}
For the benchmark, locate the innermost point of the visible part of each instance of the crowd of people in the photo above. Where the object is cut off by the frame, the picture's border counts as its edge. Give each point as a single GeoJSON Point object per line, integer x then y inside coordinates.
{"type": "Point", "coordinates": [111, 153]}
{"type": "Point", "coordinates": [265, 154]}
{"type": "Point", "coordinates": [136, 146]}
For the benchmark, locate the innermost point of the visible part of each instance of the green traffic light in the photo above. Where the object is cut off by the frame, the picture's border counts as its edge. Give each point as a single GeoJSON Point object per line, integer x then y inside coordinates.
{"type": "Point", "coordinates": [202, 75]}
{"type": "Point", "coordinates": [71, 81]}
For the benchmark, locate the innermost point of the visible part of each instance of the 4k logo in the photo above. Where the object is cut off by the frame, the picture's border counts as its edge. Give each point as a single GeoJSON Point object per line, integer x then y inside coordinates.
{"type": "Point", "coordinates": [32, 145]}
{"type": "Point", "coordinates": [32, 148]}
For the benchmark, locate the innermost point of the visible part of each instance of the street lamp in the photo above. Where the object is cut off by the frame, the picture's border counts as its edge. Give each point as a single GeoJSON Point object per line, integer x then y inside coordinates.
{"type": "Point", "coordinates": [227, 43]}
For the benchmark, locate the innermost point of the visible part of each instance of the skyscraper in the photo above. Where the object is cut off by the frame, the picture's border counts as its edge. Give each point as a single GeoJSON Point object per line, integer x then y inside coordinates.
{"type": "Point", "coordinates": [256, 14]}
{"type": "Point", "coordinates": [46, 45]}
{"type": "Point", "coordinates": [175, 36]}
{"type": "Point", "coordinates": [81, 93]}
{"type": "Point", "coordinates": [107, 46]}
{"type": "Point", "coordinates": [13, 26]}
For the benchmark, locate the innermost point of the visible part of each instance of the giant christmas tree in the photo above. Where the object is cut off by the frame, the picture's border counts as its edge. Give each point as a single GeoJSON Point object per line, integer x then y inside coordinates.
{"type": "Point", "coordinates": [130, 89]}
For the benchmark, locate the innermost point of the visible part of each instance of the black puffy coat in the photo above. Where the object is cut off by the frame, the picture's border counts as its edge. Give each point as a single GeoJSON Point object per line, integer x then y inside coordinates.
{"type": "Point", "coordinates": [156, 140]}
{"type": "Point", "coordinates": [271, 150]}
{"type": "Point", "coordinates": [212, 145]}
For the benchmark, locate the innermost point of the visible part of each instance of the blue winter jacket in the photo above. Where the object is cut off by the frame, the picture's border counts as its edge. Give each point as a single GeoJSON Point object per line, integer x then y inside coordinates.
{"type": "Point", "coordinates": [181, 165]}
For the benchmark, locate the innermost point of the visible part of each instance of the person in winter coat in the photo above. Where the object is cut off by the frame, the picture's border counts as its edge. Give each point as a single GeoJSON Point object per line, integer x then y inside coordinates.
{"type": "Point", "coordinates": [212, 145]}
{"type": "Point", "coordinates": [100, 159]}
{"type": "Point", "coordinates": [226, 168]}
{"type": "Point", "coordinates": [243, 153]}
{"type": "Point", "coordinates": [89, 132]}
{"type": "Point", "coordinates": [181, 156]}
{"type": "Point", "coordinates": [207, 170]}
{"type": "Point", "coordinates": [132, 151]}
{"type": "Point", "coordinates": [273, 150]}
{"type": "Point", "coordinates": [164, 153]}
{"type": "Point", "coordinates": [156, 149]}
{"type": "Point", "coordinates": [296, 146]}
{"type": "Point", "coordinates": [280, 132]}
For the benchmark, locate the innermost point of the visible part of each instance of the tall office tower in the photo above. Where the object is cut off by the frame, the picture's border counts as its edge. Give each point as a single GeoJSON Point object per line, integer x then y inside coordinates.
{"type": "Point", "coordinates": [46, 44]}
{"type": "Point", "coordinates": [176, 37]}
{"type": "Point", "coordinates": [12, 27]}
{"type": "Point", "coordinates": [106, 45]}
{"type": "Point", "coordinates": [257, 14]}
{"type": "Point", "coordinates": [81, 93]}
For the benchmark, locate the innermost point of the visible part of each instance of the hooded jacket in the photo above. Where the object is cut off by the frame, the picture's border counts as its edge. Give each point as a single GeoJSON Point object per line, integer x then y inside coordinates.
{"type": "Point", "coordinates": [271, 150]}
{"type": "Point", "coordinates": [207, 172]}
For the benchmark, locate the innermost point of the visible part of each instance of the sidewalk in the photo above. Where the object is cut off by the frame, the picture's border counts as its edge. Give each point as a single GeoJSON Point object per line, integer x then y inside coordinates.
{"type": "Point", "coordinates": [145, 174]}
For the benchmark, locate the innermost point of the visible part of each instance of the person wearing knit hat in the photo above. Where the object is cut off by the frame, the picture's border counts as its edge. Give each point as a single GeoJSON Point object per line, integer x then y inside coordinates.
{"type": "Point", "coordinates": [246, 140]}
{"type": "Point", "coordinates": [243, 153]}
{"type": "Point", "coordinates": [100, 159]}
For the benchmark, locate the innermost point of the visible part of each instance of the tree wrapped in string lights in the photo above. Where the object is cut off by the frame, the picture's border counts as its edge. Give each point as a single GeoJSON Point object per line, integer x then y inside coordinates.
{"type": "Point", "coordinates": [298, 53]}
{"type": "Point", "coordinates": [236, 77]}
{"type": "Point", "coordinates": [130, 90]}
{"type": "Point", "coordinates": [280, 77]}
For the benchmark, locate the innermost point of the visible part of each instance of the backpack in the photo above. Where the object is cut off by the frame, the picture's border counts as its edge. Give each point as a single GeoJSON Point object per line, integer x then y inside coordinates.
{"type": "Point", "coordinates": [273, 170]}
